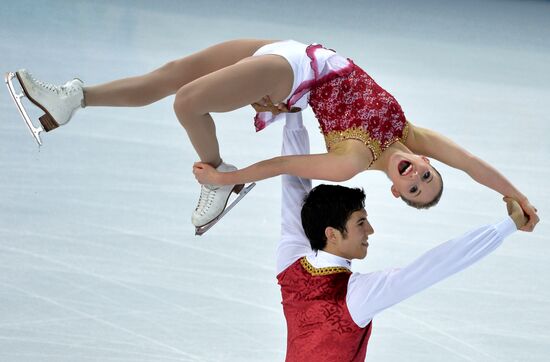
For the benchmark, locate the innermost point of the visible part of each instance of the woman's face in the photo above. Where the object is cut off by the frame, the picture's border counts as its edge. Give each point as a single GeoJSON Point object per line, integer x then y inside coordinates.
{"type": "Point", "coordinates": [413, 177]}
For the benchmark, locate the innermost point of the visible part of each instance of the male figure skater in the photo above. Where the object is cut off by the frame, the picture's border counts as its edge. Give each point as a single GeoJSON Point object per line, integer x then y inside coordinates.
{"type": "Point", "coordinates": [329, 309]}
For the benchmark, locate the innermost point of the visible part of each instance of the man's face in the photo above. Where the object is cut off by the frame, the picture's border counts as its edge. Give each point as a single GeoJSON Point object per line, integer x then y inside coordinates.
{"type": "Point", "coordinates": [354, 244]}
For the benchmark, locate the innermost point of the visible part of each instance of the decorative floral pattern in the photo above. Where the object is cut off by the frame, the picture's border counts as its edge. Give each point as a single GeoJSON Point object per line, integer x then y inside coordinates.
{"type": "Point", "coordinates": [320, 327]}
{"type": "Point", "coordinates": [322, 69]}
{"type": "Point", "coordinates": [355, 106]}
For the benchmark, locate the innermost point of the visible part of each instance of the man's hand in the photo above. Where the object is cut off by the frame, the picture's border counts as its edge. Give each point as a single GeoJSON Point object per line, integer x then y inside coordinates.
{"type": "Point", "coordinates": [516, 212]}
{"type": "Point", "coordinates": [266, 105]}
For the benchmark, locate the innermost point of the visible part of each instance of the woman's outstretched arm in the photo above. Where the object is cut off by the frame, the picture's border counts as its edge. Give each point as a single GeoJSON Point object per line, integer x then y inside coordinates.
{"type": "Point", "coordinates": [435, 145]}
{"type": "Point", "coordinates": [327, 166]}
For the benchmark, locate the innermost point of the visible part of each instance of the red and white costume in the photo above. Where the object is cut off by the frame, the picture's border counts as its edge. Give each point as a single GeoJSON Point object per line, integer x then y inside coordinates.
{"type": "Point", "coordinates": [311, 66]}
{"type": "Point", "coordinates": [328, 308]}
{"type": "Point", "coordinates": [347, 102]}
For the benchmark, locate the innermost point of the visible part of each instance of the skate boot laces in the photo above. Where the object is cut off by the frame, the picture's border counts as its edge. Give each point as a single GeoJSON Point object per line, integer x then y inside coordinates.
{"type": "Point", "coordinates": [44, 85]}
{"type": "Point", "coordinates": [208, 194]}
{"type": "Point", "coordinates": [66, 89]}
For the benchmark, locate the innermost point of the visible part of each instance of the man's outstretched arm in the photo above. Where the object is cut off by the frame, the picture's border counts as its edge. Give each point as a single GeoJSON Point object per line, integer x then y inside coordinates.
{"type": "Point", "coordinates": [369, 294]}
{"type": "Point", "coordinates": [294, 243]}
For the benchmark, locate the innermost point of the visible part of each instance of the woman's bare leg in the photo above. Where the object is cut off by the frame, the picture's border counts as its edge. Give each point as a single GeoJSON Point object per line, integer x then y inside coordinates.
{"type": "Point", "coordinates": [166, 80]}
{"type": "Point", "coordinates": [225, 90]}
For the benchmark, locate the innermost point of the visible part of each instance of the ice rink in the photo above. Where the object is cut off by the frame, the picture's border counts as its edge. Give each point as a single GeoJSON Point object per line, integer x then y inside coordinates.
{"type": "Point", "coordinates": [98, 258]}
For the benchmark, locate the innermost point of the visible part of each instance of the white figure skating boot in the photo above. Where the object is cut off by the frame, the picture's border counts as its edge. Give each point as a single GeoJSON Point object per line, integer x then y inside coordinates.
{"type": "Point", "coordinates": [213, 199]}
{"type": "Point", "coordinates": [58, 102]}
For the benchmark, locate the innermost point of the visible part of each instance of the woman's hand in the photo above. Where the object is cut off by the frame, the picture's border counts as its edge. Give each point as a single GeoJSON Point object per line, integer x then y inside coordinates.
{"type": "Point", "coordinates": [531, 212]}
{"type": "Point", "coordinates": [206, 174]}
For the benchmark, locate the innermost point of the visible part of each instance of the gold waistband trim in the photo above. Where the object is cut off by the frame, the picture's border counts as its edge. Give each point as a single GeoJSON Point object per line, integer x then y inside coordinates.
{"type": "Point", "coordinates": [358, 133]}
{"type": "Point", "coordinates": [322, 271]}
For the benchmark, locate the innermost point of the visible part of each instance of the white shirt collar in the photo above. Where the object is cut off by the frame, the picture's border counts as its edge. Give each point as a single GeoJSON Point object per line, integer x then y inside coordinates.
{"type": "Point", "coordinates": [322, 259]}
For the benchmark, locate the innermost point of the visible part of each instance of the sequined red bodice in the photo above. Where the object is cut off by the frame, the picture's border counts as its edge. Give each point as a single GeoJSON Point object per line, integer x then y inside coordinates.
{"type": "Point", "coordinates": [319, 325]}
{"type": "Point", "coordinates": [356, 107]}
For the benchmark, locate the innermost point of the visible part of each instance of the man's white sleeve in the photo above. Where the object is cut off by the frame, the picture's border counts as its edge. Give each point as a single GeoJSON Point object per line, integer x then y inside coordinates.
{"type": "Point", "coordinates": [369, 294]}
{"type": "Point", "coordinates": [294, 243]}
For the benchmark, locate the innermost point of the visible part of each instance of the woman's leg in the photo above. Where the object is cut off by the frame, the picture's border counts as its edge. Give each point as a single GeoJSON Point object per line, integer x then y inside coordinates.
{"type": "Point", "coordinates": [225, 90]}
{"type": "Point", "coordinates": [166, 80]}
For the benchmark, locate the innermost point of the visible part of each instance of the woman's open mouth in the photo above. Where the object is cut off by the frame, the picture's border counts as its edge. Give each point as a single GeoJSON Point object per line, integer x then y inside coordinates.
{"type": "Point", "coordinates": [404, 167]}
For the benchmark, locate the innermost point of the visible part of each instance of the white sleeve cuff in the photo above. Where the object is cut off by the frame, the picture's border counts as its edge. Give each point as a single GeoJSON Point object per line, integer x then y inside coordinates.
{"type": "Point", "coordinates": [506, 227]}
{"type": "Point", "coordinates": [294, 120]}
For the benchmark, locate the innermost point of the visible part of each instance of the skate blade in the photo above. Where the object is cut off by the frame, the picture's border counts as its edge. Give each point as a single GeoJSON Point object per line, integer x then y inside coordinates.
{"type": "Point", "coordinates": [35, 131]}
{"type": "Point", "coordinates": [242, 193]}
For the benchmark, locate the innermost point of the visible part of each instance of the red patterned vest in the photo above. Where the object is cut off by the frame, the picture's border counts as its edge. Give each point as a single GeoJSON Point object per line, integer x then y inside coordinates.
{"type": "Point", "coordinates": [319, 325]}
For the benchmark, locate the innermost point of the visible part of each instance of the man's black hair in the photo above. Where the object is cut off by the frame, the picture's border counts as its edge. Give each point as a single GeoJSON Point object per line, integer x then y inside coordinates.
{"type": "Point", "coordinates": [329, 205]}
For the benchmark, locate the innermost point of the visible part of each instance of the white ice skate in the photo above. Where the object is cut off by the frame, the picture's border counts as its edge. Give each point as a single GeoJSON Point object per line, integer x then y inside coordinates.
{"type": "Point", "coordinates": [58, 102]}
{"type": "Point", "coordinates": [213, 200]}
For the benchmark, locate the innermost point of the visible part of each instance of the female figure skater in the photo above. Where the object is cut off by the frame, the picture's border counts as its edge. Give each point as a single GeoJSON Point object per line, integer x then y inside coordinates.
{"type": "Point", "coordinates": [363, 125]}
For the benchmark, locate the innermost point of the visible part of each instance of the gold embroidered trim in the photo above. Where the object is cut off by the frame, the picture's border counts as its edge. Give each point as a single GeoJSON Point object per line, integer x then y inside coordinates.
{"type": "Point", "coordinates": [362, 135]}
{"type": "Point", "coordinates": [405, 133]}
{"type": "Point", "coordinates": [322, 271]}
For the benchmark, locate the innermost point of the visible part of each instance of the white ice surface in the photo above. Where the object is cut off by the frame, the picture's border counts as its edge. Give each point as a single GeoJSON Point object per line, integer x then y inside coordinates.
{"type": "Point", "coordinates": [98, 261]}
